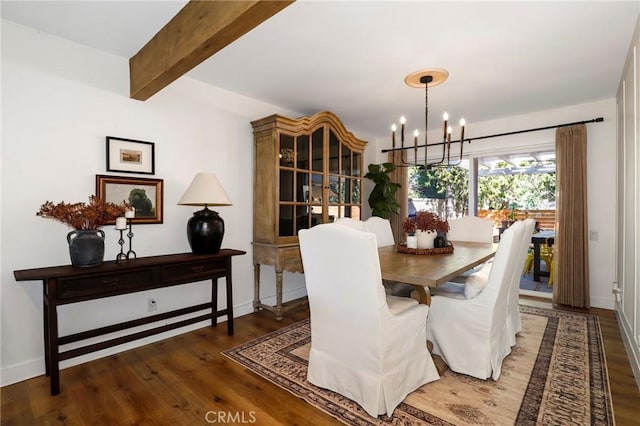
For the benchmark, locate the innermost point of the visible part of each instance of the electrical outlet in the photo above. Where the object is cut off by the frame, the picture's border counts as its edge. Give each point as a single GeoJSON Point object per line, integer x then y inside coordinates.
{"type": "Point", "coordinates": [152, 305]}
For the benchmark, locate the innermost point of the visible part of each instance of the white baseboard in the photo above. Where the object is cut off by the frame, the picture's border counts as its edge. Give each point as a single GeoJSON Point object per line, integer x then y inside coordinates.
{"type": "Point", "coordinates": [35, 367]}
{"type": "Point", "coordinates": [536, 294]}
{"type": "Point", "coordinates": [603, 302]}
{"type": "Point", "coordinates": [22, 371]}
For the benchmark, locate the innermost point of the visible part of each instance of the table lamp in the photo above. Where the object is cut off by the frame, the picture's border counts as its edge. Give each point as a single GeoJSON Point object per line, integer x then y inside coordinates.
{"type": "Point", "coordinates": [205, 229]}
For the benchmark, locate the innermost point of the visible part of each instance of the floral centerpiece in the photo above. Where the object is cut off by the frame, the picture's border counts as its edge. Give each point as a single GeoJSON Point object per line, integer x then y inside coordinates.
{"type": "Point", "coordinates": [425, 221]}
{"type": "Point", "coordinates": [426, 225]}
{"type": "Point", "coordinates": [86, 241]}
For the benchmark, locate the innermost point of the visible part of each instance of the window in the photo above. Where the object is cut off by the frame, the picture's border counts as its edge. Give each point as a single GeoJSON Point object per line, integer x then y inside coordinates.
{"type": "Point", "coordinates": [444, 191]}
{"type": "Point", "coordinates": [520, 184]}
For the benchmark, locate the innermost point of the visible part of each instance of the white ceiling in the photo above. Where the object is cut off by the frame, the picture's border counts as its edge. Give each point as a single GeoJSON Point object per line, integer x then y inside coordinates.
{"type": "Point", "coordinates": [351, 57]}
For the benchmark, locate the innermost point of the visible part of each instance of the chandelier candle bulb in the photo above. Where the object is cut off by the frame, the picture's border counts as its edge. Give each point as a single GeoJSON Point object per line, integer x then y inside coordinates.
{"type": "Point", "coordinates": [121, 223]}
{"type": "Point", "coordinates": [445, 117]}
{"type": "Point", "coordinates": [462, 123]}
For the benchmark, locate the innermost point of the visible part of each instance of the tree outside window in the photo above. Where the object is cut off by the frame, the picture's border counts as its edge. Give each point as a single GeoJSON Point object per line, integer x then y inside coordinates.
{"type": "Point", "coordinates": [444, 191]}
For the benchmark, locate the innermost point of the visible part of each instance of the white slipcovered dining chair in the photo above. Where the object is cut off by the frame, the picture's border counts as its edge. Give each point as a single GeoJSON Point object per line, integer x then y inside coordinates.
{"type": "Point", "coordinates": [471, 335]}
{"type": "Point", "coordinates": [366, 346]}
{"type": "Point", "coordinates": [384, 237]}
{"type": "Point", "coordinates": [470, 228]}
{"type": "Point", "coordinates": [356, 224]}
{"type": "Point", "coordinates": [514, 322]}
{"type": "Point", "coordinates": [382, 228]}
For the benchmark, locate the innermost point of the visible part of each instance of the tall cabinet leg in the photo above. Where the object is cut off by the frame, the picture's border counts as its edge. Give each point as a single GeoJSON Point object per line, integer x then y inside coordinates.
{"type": "Point", "coordinates": [279, 310]}
{"type": "Point", "coordinates": [256, 287]}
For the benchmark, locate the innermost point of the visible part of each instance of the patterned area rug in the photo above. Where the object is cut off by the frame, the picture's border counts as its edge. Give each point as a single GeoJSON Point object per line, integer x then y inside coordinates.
{"type": "Point", "coordinates": [556, 374]}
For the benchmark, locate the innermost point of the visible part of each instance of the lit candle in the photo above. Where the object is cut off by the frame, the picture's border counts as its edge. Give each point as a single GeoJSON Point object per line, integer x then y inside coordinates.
{"type": "Point", "coordinates": [130, 214]}
{"type": "Point", "coordinates": [121, 223]}
{"type": "Point", "coordinates": [462, 123]}
{"type": "Point", "coordinates": [402, 121]}
{"type": "Point", "coordinates": [393, 136]}
{"type": "Point", "coordinates": [445, 117]}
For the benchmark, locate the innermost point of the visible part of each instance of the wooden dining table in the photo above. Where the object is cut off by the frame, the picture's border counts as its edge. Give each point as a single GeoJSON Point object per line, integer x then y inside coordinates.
{"type": "Point", "coordinates": [423, 271]}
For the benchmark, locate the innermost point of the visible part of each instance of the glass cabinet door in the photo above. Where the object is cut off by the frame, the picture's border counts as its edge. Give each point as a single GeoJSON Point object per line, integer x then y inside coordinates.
{"type": "Point", "coordinates": [317, 200]}
{"type": "Point", "coordinates": [287, 185]}
{"type": "Point", "coordinates": [307, 196]}
{"type": "Point", "coordinates": [344, 180]}
{"type": "Point", "coordinates": [307, 171]}
{"type": "Point", "coordinates": [301, 182]}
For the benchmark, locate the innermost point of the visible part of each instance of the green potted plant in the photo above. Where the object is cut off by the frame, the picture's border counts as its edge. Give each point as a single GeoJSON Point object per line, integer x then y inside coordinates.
{"type": "Point", "coordinates": [382, 199]}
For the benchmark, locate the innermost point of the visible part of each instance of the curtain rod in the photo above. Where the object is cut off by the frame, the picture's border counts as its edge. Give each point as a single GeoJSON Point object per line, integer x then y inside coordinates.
{"type": "Point", "coordinates": [594, 120]}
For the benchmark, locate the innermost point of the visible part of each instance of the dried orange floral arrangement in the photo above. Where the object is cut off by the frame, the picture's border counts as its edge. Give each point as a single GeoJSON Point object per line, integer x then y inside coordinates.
{"type": "Point", "coordinates": [425, 221]}
{"type": "Point", "coordinates": [84, 216]}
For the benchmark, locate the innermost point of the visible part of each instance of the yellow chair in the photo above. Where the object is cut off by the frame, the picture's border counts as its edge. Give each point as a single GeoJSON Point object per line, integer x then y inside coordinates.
{"type": "Point", "coordinates": [546, 255]}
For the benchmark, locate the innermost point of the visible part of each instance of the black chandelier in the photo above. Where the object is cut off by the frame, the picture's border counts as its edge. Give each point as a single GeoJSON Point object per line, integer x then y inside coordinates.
{"type": "Point", "coordinates": [428, 78]}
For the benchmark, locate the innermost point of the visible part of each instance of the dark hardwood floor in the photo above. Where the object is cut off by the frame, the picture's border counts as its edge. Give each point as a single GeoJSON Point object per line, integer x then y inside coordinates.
{"type": "Point", "coordinates": [186, 381]}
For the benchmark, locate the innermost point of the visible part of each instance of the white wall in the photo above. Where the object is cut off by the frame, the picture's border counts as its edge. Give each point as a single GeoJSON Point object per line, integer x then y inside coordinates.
{"type": "Point", "coordinates": [59, 101]}
{"type": "Point", "coordinates": [601, 176]}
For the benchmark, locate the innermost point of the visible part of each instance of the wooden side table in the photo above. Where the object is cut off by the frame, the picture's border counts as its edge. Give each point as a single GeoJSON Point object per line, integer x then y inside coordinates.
{"type": "Point", "coordinates": [67, 284]}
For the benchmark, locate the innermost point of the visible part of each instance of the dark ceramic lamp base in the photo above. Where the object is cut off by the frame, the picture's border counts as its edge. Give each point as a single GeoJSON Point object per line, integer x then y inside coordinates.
{"type": "Point", "coordinates": [205, 231]}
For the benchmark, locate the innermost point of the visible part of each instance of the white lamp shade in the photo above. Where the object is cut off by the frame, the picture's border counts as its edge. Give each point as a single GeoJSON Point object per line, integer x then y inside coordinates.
{"type": "Point", "coordinates": [205, 189]}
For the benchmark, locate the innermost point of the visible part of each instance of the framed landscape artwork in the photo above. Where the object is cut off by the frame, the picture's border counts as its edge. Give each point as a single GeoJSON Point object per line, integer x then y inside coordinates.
{"type": "Point", "coordinates": [144, 194]}
{"type": "Point", "coordinates": [130, 156]}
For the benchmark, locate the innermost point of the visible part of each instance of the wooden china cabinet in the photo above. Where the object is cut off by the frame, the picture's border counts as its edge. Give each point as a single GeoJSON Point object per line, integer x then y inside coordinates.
{"type": "Point", "coordinates": [307, 171]}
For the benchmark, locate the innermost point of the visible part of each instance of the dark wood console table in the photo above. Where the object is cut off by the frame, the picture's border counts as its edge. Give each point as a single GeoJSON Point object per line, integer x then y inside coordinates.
{"type": "Point", "coordinates": [67, 284]}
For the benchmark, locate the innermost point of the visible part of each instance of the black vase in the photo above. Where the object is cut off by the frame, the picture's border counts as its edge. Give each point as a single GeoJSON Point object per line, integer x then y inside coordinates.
{"type": "Point", "coordinates": [439, 242]}
{"type": "Point", "coordinates": [86, 247]}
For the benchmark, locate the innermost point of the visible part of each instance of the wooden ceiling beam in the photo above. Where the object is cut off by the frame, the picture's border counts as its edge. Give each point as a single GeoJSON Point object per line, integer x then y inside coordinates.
{"type": "Point", "coordinates": [198, 31]}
